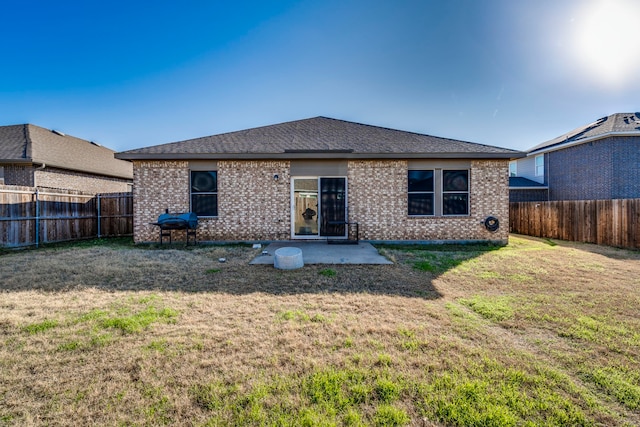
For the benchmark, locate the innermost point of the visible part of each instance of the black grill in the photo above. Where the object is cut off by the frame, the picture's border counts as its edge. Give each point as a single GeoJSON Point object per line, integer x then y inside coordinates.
{"type": "Point", "coordinates": [177, 221]}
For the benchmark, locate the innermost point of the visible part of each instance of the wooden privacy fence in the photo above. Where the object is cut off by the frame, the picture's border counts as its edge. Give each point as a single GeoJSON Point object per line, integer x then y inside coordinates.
{"type": "Point", "coordinates": [30, 216]}
{"type": "Point", "coordinates": [605, 222]}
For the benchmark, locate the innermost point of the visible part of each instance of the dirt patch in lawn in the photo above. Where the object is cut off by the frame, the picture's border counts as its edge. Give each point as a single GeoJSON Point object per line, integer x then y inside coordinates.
{"type": "Point", "coordinates": [112, 334]}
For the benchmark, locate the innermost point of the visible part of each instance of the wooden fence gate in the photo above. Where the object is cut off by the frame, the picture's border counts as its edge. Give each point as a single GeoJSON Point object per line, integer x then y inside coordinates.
{"type": "Point", "coordinates": [605, 222]}
{"type": "Point", "coordinates": [30, 216]}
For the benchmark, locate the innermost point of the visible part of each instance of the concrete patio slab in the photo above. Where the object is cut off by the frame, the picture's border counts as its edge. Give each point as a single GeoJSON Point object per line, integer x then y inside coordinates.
{"type": "Point", "coordinates": [324, 253]}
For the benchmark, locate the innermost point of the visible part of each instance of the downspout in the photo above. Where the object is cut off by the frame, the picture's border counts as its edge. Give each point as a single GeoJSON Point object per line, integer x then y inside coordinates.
{"type": "Point", "coordinates": [548, 175]}
{"type": "Point", "coordinates": [37, 220]}
{"type": "Point", "coordinates": [98, 213]}
{"type": "Point", "coordinates": [42, 166]}
{"type": "Point", "coordinates": [39, 168]}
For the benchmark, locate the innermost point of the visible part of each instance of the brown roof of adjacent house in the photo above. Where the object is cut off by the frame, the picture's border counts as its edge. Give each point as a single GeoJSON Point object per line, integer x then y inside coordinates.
{"type": "Point", "coordinates": [318, 138]}
{"type": "Point", "coordinates": [32, 144]}
{"type": "Point", "coordinates": [615, 124]}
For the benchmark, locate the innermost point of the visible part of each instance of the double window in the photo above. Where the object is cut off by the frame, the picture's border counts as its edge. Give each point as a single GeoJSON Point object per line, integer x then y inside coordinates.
{"type": "Point", "coordinates": [204, 193]}
{"type": "Point", "coordinates": [438, 192]}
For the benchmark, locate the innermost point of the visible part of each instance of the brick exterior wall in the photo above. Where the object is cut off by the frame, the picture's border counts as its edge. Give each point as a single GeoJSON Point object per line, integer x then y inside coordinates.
{"type": "Point", "coordinates": [88, 183]}
{"type": "Point", "coordinates": [604, 169]}
{"type": "Point", "coordinates": [378, 202]}
{"type": "Point", "coordinates": [377, 197]}
{"type": "Point", "coordinates": [19, 175]}
{"type": "Point", "coordinates": [253, 206]}
{"type": "Point", "coordinates": [157, 185]}
{"type": "Point", "coordinates": [541, 195]}
{"type": "Point", "coordinates": [32, 176]}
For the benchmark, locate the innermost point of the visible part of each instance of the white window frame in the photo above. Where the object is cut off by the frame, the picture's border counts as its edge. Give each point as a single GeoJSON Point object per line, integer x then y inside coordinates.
{"type": "Point", "coordinates": [513, 168]}
{"type": "Point", "coordinates": [539, 168]}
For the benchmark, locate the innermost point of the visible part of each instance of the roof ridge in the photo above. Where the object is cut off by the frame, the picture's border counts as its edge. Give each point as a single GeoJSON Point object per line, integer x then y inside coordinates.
{"type": "Point", "coordinates": [28, 148]}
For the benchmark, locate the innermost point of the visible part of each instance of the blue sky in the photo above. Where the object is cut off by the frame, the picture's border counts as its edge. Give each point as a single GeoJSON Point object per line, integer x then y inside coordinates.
{"type": "Point", "coordinates": [511, 73]}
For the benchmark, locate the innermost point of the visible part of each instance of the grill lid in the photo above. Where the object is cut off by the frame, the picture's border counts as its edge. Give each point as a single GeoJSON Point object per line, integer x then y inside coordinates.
{"type": "Point", "coordinates": [178, 220]}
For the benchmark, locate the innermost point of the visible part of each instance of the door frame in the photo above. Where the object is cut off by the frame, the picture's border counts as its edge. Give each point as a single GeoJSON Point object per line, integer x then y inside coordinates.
{"type": "Point", "coordinates": [319, 216]}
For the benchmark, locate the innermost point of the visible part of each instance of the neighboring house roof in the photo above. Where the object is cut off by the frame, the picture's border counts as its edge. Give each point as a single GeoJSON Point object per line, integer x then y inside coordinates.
{"type": "Point", "coordinates": [619, 124]}
{"type": "Point", "coordinates": [319, 138]}
{"type": "Point", "coordinates": [520, 183]}
{"type": "Point", "coordinates": [33, 144]}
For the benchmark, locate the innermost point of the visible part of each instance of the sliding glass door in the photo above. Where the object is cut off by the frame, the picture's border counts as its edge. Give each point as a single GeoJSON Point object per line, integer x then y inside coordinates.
{"type": "Point", "coordinates": [319, 207]}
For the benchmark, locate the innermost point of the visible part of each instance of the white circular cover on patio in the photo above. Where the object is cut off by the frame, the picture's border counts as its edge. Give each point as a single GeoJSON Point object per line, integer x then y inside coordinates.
{"type": "Point", "coordinates": [288, 258]}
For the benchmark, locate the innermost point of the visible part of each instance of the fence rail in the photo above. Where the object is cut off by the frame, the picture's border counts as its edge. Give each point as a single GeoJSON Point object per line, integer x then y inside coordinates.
{"type": "Point", "coordinates": [30, 216]}
{"type": "Point", "coordinates": [605, 222]}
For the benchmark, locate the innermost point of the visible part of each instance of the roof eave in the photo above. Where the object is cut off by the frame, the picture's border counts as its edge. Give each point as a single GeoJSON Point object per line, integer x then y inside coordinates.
{"type": "Point", "coordinates": [563, 145]}
{"type": "Point", "coordinates": [529, 188]}
{"type": "Point", "coordinates": [313, 156]}
{"type": "Point", "coordinates": [16, 161]}
{"type": "Point", "coordinates": [87, 171]}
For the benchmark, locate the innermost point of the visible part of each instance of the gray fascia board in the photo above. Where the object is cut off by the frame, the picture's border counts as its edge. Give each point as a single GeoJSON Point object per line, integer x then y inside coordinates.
{"type": "Point", "coordinates": [16, 161]}
{"type": "Point", "coordinates": [314, 156]}
{"type": "Point", "coordinates": [529, 188]}
{"type": "Point", "coordinates": [563, 145]}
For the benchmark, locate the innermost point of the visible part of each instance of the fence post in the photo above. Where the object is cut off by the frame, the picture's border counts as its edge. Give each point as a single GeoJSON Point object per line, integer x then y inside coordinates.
{"type": "Point", "coordinates": [37, 220]}
{"type": "Point", "coordinates": [99, 212]}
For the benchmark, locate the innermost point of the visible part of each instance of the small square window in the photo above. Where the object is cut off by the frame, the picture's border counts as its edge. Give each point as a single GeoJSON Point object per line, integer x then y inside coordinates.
{"type": "Point", "coordinates": [455, 180]}
{"type": "Point", "coordinates": [420, 181]}
{"type": "Point", "coordinates": [421, 204]}
{"type": "Point", "coordinates": [455, 204]}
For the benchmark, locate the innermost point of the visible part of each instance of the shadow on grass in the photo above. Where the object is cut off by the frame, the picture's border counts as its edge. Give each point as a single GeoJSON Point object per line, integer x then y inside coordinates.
{"type": "Point", "coordinates": [437, 258]}
{"type": "Point", "coordinates": [117, 265]}
{"type": "Point", "coordinates": [607, 251]}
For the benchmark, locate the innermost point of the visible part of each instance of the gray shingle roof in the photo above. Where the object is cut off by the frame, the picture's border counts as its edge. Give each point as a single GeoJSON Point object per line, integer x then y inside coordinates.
{"type": "Point", "coordinates": [33, 144]}
{"type": "Point", "coordinates": [624, 123]}
{"type": "Point", "coordinates": [318, 137]}
{"type": "Point", "coordinates": [13, 143]}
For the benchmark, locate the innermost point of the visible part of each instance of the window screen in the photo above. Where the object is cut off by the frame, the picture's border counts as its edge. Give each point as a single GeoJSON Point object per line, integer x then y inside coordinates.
{"type": "Point", "coordinates": [204, 193]}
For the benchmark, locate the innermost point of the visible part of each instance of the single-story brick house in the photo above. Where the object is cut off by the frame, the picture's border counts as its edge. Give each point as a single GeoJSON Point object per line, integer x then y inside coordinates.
{"type": "Point", "coordinates": [33, 156]}
{"type": "Point", "coordinates": [600, 160]}
{"type": "Point", "coordinates": [305, 179]}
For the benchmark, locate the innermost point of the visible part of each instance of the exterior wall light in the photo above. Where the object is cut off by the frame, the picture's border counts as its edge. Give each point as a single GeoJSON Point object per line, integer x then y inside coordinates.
{"type": "Point", "coordinates": [276, 177]}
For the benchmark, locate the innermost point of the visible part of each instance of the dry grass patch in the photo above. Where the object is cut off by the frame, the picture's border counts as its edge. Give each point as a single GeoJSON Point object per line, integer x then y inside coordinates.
{"type": "Point", "coordinates": [528, 334]}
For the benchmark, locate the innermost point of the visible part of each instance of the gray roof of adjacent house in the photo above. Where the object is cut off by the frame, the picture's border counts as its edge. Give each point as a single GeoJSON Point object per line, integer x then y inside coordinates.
{"type": "Point", "coordinates": [619, 124]}
{"type": "Point", "coordinates": [319, 138]}
{"type": "Point", "coordinates": [518, 182]}
{"type": "Point", "coordinates": [30, 144]}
